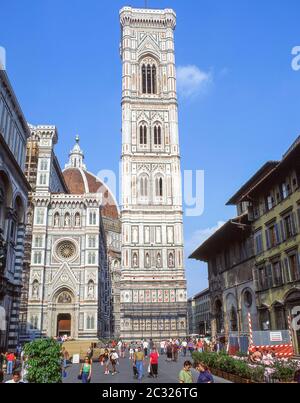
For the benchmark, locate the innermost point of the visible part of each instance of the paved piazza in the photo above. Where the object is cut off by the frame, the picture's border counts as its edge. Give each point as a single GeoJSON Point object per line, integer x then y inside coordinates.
{"type": "Point", "coordinates": [168, 373]}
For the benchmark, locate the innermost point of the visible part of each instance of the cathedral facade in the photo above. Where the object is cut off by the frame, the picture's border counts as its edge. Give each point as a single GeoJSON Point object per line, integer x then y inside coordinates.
{"type": "Point", "coordinates": [72, 266]}
{"type": "Point", "coordinates": [153, 284]}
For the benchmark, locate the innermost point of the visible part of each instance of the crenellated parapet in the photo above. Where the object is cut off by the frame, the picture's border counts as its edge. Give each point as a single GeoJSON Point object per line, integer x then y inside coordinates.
{"type": "Point", "coordinates": [139, 17]}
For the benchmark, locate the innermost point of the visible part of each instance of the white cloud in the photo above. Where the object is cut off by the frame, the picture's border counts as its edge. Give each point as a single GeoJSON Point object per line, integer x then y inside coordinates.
{"type": "Point", "coordinates": [200, 236]}
{"type": "Point", "coordinates": [192, 81]}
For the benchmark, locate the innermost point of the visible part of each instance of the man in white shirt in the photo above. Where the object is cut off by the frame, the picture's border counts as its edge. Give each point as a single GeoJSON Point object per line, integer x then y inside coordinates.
{"type": "Point", "coordinates": [145, 346]}
{"type": "Point", "coordinates": [184, 347]}
{"type": "Point", "coordinates": [16, 378]}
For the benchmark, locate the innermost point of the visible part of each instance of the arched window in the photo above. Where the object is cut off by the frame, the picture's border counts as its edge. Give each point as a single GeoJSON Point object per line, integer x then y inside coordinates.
{"type": "Point", "coordinates": [143, 135]}
{"type": "Point", "coordinates": [149, 78]}
{"type": "Point", "coordinates": [144, 79]}
{"type": "Point", "coordinates": [144, 186]}
{"type": "Point", "coordinates": [159, 187]}
{"type": "Point", "coordinates": [157, 135]}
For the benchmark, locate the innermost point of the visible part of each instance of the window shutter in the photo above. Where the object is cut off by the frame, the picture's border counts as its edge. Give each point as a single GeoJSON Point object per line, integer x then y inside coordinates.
{"type": "Point", "coordinates": [269, 275]}
{"type": "Point", "coordinates": [256, 280]}
{"type": "Point", "coordinates": [286, 271]}
{"type": "Point", "coordinates": [298, 214]}
{"type": "Point", "coordinates": [294, 223]}
{"type": "Point", "coordinates": [283, 233]}
{"type": "Point", "coordinates": [268, 239]}
{"type": "Point", "coordinates": [278, 240]}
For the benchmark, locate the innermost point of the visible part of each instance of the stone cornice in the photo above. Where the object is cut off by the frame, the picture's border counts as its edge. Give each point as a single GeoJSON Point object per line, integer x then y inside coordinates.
{"type": "Point", "coordinates": [149, 18]}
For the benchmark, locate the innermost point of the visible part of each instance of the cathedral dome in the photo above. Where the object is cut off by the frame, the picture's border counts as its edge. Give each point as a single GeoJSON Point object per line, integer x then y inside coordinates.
{"type": "Point", "coordinates": [80, 181]}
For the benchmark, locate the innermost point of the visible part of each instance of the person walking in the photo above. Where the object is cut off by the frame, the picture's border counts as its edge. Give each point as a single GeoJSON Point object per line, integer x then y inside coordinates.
{"type": "Point", "coordinates": [105, 360]}
{"type": "Point", "coordinates": [139, 358]}
{"type": "Point", "coordinates": [169, 352]}
{"type": "Point", "coordinates": [146, 346]}
{"type": "Point", "coordinates": [185, 375]}
{"type": "Point", "coordinates": [86, 371]}
{"type": "Point", "coordinates": [131, 351]}
{"type": "Point", "coordinates": [114, 360]}
{"type": "Point", "coordinates": [205, 375]}
{"type": "Point", "coordinates": [175, 352]}
{"type": "Point", "coordinates": [162, 347]}
{"type": "Point", "coordinates": [184, 347]}
{"type": "Point", "coordinates": [154, 356]}
{"type": "Point", "coordinates": [10, 362]}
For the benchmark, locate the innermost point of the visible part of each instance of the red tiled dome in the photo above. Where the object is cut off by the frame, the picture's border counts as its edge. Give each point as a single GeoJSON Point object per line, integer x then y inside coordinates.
{"type": "Point", "coordinates": [80, 181]}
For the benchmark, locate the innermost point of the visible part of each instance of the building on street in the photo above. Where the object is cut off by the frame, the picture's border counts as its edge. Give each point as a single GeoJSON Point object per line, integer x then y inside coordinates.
{"type": "Point", "coordinates": [230, 257]}
{"type": "Point", "coordinates": [14, 190]}
{"type": "Point", "coordinates": [199, 313]}
{"type": "Point", "coordinates": [274, 211]}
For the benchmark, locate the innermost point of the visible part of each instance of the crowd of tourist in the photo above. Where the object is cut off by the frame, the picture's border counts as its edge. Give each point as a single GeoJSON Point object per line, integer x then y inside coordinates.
{"type": "Point", "coordinates": [144, 357]}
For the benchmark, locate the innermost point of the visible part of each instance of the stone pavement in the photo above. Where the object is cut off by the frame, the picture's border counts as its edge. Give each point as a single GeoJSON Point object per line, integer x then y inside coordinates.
{"type": "Point", "coordinates": [168, 373]}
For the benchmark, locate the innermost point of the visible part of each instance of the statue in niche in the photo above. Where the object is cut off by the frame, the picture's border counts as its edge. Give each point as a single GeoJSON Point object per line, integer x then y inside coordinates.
{"type": "Point", "coordinates": [56, 220]}
{"type": "Point", "coordinates": [135, 260]}
{"type": "Point", "coordinates": [67, 220]}
{"type": "Point", "coordinates": [91, 290]}
{"type": "Point", "coordinates": [77, 220]}
{"type": "Point", "coordinates": [158, 263]}
{"type": "Point", "coordinates": [35, 290]}
{"type": "Point", "coordinates": [147, 260]}
{"type": "Point", "coordinates": [171, 260]}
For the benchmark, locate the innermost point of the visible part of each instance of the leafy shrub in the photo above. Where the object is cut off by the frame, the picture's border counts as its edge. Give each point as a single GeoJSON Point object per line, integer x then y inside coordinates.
{"type": "Point", "coordinates": [43, 361]}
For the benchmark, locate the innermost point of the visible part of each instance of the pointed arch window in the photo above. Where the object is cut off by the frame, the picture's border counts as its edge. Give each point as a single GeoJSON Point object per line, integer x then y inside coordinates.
{"type": "Point", "coordinates": [144, 186]}
{"type": "Point", "coordinates": [159, 187]}
{"type": "Point", "coordinates": [143, 135]}
{"type": "Point", "coordinates": [149, 78]}
{"type": "Point", "coordinates": [157, 135]}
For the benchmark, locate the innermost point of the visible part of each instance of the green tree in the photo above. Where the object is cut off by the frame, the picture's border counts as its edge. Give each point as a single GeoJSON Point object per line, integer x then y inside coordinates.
{"type": "Point", "coordinates": [43, 361]}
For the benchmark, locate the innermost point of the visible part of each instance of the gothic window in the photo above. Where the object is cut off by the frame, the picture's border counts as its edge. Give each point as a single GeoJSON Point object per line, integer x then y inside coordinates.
{"type": "Point", "coordinates": [143, 135]}
{"type": "Point", "coordinates": [38, 241]}
{"type": "Point", "coordinates": [157, 135]}
{"type": "Point", "coordinates": [159, 187]}
{"type": "Point", "coordinates": [91, 258]}
{"type": "Point", "coordinates": [143, 187]}
{"type": "Point", "coordinates": [37, 258]}
{"type": "Point", "coordinates": [149, 78]}
{"type": "Point", "coordinates": [44, 165]}
{"type": "Point", "coordinates": [92, 242]}
{"type": "Point", "coordinates": [93, 218]}
{"type": "Point", "coordinates": [40, 216]}
{"type": "Point", "coordinates": [43, 179]}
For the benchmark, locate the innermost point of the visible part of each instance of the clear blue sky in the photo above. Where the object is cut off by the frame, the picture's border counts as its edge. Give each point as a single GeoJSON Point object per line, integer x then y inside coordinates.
{"type": "Point", "coordinates": [63, 61]}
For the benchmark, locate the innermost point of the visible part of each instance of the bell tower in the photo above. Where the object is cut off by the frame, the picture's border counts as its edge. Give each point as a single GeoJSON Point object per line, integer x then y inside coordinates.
{"type": "Point", "coordinates": [153, 285]}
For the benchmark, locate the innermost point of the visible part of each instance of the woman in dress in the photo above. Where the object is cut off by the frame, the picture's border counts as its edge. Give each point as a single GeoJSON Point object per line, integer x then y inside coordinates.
{"type": "Point", "coordinates": [105, 360]}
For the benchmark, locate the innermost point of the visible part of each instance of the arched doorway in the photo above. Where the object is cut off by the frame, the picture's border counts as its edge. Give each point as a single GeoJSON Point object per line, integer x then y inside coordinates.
{"type": "Point", "coordinates": [65, 317]}
{"type": "Point", "coordinates": [64, 325]}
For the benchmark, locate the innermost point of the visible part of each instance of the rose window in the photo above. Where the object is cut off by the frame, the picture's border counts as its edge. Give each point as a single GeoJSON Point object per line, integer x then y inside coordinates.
{"type": "Point", "coordinates": [66, 250]}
